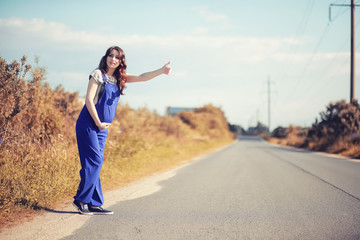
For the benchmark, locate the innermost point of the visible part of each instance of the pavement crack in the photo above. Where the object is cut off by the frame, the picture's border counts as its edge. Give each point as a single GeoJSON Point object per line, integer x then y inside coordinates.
{"type": "Point", "coordinates": [312, 174]}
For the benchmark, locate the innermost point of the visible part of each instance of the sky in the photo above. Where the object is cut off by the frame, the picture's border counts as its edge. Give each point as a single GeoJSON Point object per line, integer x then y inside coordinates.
{"type": "Point", "coordinates": [234, 54]}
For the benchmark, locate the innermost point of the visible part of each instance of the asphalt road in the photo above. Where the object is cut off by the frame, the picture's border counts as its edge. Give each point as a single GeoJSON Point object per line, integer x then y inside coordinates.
{"type": "Point", "coordinates": [249, 190]}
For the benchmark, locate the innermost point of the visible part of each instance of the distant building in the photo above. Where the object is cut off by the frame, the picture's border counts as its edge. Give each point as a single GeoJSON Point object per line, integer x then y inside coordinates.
{"type": "Point", "coordinates": [171, 111]}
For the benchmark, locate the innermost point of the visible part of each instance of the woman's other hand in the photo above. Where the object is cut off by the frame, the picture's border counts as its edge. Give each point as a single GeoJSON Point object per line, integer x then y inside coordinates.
{"type": "Point", "coordinates": [103, 126]}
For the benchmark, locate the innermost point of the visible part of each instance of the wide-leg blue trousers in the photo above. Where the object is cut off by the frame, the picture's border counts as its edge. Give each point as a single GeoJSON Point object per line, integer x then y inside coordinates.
{"type": "Point", "coordinates": [91, 144]}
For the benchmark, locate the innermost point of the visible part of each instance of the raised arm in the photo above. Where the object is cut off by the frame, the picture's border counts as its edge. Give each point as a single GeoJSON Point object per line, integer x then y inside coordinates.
{"type": "Point", "coordinates": [166, 69]}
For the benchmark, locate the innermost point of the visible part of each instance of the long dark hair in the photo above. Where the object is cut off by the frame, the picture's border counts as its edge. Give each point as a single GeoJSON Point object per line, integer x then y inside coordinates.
{"type": "Point", "coordinates": [120, 71]}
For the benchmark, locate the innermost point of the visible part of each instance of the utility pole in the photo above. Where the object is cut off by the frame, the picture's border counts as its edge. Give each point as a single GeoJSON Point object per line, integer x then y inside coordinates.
{"type": "Point", "coordinates": [269, 103]}
{"type": "Point", "coordinates": [352, 44]}
{"type": "Point", "coordinates": [352, 71]}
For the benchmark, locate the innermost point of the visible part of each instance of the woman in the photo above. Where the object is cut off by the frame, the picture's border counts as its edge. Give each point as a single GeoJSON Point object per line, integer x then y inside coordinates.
{"type": "Point", "coordinates": [105, 86]}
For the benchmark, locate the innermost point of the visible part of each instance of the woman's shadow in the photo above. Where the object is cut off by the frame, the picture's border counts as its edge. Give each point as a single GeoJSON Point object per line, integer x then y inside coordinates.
{"type": "Point", "coordinates": [42, 208]}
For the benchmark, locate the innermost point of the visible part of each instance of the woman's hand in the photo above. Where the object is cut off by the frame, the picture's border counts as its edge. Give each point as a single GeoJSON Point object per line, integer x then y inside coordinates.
{"type": "Point", "coordinates": [103, 126]}
{"type": "Point", "coordinates": [166, 68]}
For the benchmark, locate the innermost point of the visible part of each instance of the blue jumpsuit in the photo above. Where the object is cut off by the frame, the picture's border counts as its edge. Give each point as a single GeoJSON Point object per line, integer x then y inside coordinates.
{"type": "Point", "coordinates": [91, 144]}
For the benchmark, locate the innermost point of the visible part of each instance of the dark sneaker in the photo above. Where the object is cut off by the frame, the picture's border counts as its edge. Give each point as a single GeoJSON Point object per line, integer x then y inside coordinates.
{"type": "Point", "coordinates": [100, 210]}
{"type": "Point", "coordinates": [82, 208]}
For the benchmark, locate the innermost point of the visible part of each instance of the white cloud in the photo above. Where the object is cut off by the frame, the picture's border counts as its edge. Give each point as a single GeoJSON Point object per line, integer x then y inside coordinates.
{"type": "Point", "coordinates": [200, 30]}
{"type": "Point", "coordinates": [205, 13]}
{"type": "Point", "coordinates": [180, 73]}
{"type": "Point", "coordinates": [73, 75]}
{"type": "Point", "coordinates": [220, 19]}
{"type": "Point", "coordinates": [37, 33]}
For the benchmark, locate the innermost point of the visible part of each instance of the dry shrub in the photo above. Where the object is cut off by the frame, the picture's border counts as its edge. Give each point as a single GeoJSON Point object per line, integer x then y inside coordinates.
{"type": "Point", "coordinates": [292, 136]}
{"type": "Point", "coordinates": [338, 131]}
{"type": "Point", "coordinates": [40, 179]}
{"type": "Point", "coordinates": [208, 121]}
{"type": "Point", "coordinates": [337, 123]}
{"type": "Point", "coordinates": [37, 150]}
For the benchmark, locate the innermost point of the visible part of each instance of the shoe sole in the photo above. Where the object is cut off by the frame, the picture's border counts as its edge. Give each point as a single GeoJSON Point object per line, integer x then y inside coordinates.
{"type": "Point", "coordinates": [81, 212]}
{"type": "Point", "coordinates": [96, 213]}
{"type": "Point", "coordinates": [102, 213]}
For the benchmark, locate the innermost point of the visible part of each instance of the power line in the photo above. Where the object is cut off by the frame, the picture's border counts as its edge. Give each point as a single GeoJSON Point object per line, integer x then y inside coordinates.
{"type": "Point", "coordinates": [334, 58]}
{"type": "Point", "coordinates": [332, 77]}
{"type": "Point", "coordinates": [327, 83]}
{"type": "Point", "coordinates": [307, 90]}
{"type": "Point", "coordinates": [339, 14]}
{"type": "Point", "coordinates": [324, 33]}
{"type": "Point", "coordinates": [295, 86]}
{"type": "Point", "coordinates": [299, 35]}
